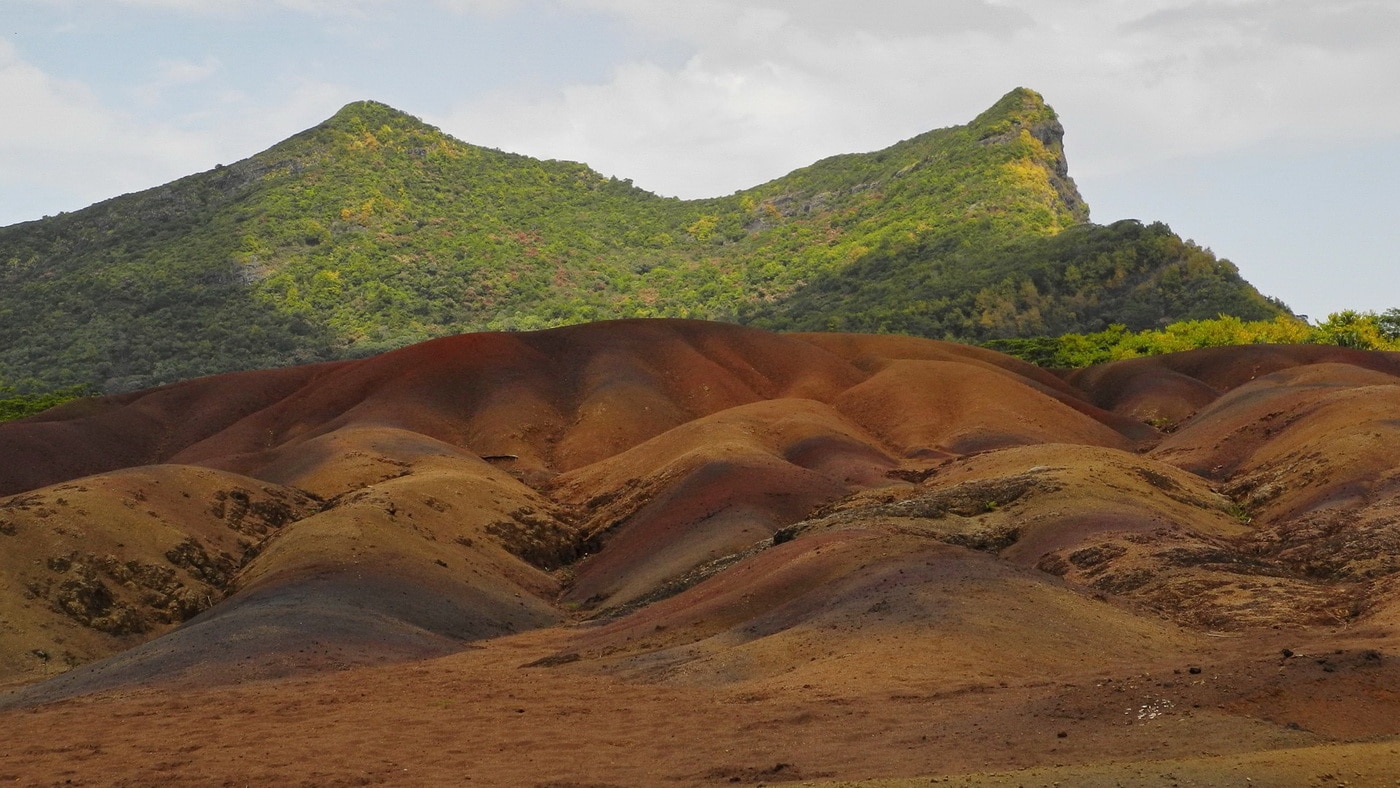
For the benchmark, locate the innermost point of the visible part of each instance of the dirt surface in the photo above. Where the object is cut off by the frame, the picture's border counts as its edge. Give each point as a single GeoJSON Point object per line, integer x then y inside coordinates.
{"type": "Point", "coordinates": [674, 552]}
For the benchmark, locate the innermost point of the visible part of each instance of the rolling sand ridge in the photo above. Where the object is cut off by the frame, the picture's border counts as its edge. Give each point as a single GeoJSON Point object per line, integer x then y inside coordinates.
{"type": "Point", "coordinates": [691, 553]}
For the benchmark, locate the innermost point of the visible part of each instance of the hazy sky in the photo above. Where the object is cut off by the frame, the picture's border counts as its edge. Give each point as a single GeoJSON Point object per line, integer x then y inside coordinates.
{"type": "Point", "coordinates": [1267, 130]}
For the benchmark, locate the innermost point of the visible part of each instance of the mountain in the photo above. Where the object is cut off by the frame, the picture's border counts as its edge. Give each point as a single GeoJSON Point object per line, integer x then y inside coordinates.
{"type": "Point", "coordinates": [374, 230]}
{"type": "Point", "coordinates": [654, 552]}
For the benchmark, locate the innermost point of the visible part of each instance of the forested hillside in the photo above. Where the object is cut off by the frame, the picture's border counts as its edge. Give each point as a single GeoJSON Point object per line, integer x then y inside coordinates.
{"type": "Point", "coordinates": [996, 287]}
{"type": "Point", "coordinates": [375, 230]}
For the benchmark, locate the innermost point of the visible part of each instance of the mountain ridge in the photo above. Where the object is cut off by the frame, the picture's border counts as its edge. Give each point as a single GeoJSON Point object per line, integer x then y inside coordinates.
{"type": "Point", "coordinates": [373, 230]}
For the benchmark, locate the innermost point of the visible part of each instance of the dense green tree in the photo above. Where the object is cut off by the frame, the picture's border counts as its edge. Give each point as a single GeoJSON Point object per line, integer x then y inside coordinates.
{"type": "Point", "coordinates": [16, 406]}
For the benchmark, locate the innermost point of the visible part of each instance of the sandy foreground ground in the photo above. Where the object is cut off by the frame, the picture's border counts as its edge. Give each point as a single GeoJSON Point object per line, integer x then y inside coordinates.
{"type": "Point", "coordinates": [480, 718]}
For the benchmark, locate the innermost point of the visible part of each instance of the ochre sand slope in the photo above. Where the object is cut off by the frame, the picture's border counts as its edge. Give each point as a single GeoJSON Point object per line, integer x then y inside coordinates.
{"type": "Point", "coordinates": [651, 552]}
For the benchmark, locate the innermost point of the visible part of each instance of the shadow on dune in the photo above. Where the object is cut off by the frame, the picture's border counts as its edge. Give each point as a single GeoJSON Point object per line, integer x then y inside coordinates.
{"type": "Point", "coordinates": [331, 621]}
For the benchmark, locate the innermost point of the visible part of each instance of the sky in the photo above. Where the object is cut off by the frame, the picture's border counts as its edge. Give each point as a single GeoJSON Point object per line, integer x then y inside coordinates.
{"type": "Point", "coordinates": [1265, 130]}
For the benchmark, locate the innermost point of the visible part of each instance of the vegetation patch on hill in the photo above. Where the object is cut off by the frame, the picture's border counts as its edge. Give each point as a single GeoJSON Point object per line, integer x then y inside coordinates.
{"type": "Point", "coordinates": [375, 230]}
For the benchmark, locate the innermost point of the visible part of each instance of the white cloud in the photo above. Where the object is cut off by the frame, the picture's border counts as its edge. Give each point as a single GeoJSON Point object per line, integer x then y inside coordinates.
{"type": "Point", "coordinates": [489, 7]}
{"type": "Point", "coordinates": [771, 86]}
{"type": "Point", "coordinates": [1137, 82]}
{"type": "Point", "coordinates": [173, 74]}
{"type": "Point", "coordinates": [1225, 83]}
{"type": "Point", "coordinates": [65, 146]}
{"type": "Point", "coordinates": [330, 8]}
{"type": "Point", "coordinates": [53, 110]}
{"type": "Point", "coordinates": [1339, 25]}
{"type": "Point", "coordinates": [701, 127]}
{"type": "Point", "coordinates": [67, 149]}
{"type": "Point", "coordinates": [709, 21]}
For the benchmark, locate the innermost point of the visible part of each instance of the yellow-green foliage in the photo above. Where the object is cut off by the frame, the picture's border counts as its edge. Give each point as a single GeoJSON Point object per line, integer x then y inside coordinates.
{"type": "Point", "coordinates": [17, 406]}
{"type": "Point", "coordinates": [1360, 330]}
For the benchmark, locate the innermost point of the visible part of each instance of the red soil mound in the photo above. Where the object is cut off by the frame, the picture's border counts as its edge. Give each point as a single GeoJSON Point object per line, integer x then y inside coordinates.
{"type": "Point", "coordinates": [809, 609]}
{"type": "Point", "coordinates": [1180, 383]}
{"type": "Point", "coordinates": [838, 536]}
{"type": "Point", "coordinates": [711, 488]}
{"type": "Point", "coordinates": [940, 408]}
{"type": "Point", "coordinates": [141, 428]}
{"type": "Point", "coordinates": [558, 399]}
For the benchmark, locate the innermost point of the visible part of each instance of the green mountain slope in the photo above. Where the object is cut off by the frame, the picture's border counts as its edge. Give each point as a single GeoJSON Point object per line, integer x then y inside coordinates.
{"type": "Point", "coordinates": [374, 230]}
{"type": "Point", "coordinates": [1082, 279]}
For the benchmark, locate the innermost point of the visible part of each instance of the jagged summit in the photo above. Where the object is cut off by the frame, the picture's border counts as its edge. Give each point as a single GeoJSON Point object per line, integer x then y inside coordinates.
{"type": "Point", "coordinates": [1019, 102]}
{"type": "Point", "coordinates": [1024, 109]}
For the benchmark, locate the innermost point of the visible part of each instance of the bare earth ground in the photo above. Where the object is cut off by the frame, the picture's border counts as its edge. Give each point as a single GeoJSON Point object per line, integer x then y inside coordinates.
{"type": "Point", "coordinates": [668, 552]}
{"type": "Point", "coordinates": [479, 717]}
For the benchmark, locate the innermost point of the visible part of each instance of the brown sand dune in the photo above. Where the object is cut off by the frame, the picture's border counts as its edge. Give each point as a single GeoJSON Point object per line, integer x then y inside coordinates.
{"type": "Point", "coordinates": [647, 552]}
{"type": "Point", "coordinates": [415, 566]}
{"type": "Point", "coordinates": [873, 352]}
{"type": "Point", "coordinates": [709, 489]}
{"type": "Point", "coordinates": [1118, 386]}
{"type": "Point", "coordinates": [1027, 502]}
{"type": "Point", "coordinates": [940, 408]}
{"type": "Point", "coordinates": [557, 399]}
{"type": "Point", "coordinates": [1290, 412]}
{"type": "Point", "coordinates": [85, 437]}
{"type": "Point", "coordinates": [103, 563]}
{"type": "Point", "coordinates": [809, 610]}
